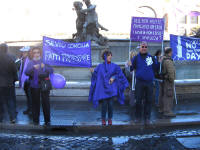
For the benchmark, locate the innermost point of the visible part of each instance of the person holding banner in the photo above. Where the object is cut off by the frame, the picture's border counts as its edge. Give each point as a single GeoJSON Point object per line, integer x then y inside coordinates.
{"type": "Point", "coordinates": [39, 72]}
{"type": "Point", "coordinates": [107, 82]}
{"type": "Point", "coordinates": [144, 65]}
{"type": "Point", "coordinates": [167, 86]}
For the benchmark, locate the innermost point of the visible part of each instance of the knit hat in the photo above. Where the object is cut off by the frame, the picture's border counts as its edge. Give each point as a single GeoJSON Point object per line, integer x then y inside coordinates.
{"type": "Point", "coordinates": [25, 49]}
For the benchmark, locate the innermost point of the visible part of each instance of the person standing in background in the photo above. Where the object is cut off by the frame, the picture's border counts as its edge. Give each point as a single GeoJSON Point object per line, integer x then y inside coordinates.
{"type": "Point", "coordinates": [8, 76]}
{"type": "Point", "coordinates": [24, 82]}
{"type": "Point", "coordinates": [12, 88]}
{"type": "Point", "coordinates": [167, 86]}
{"type": "Point", "coordinates": [131, 78]}
{"type": "Point", "coordinates": [157, 76]}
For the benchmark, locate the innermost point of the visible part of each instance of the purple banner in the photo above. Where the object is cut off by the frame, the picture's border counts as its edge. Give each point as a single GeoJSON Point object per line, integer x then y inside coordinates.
{"type": "Point", "coordinates": [147, 29]}
{"type": "Point", "coordinates": [60, 53]}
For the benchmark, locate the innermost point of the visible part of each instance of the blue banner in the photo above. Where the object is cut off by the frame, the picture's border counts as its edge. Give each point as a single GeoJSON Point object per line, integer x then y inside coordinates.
{"type": "Point", "coordinates": [185, 48]}
{"type": "Point", "coordinates": [60, 53]}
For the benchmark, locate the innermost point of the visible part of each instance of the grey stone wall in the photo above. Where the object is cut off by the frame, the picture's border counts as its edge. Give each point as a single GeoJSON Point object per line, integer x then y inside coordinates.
{"type": "Point", "coordinates": [78, 79]}
{"type": "Point", "coordinates": [120, 49]}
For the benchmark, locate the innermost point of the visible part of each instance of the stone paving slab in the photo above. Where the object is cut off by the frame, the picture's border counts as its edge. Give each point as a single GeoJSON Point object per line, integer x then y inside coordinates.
{"type": "Point", "coordinates": [190, 142]}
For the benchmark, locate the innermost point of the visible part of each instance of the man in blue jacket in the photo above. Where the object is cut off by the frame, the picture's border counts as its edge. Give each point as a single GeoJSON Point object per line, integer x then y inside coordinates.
{"type": "Point", "coordinates": [145, 66]}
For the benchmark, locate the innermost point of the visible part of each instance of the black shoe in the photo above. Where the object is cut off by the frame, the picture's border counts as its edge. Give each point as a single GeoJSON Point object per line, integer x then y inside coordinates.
{"type": "Point", "coordinates": [13, 121]}
{"type": "Point", "coordinates": [26, 112]}
{"type": "Point", "coordinates": [148, 122]}
{"type": "Point", "coordinates": [35, 123]}
{"type": "Point", "coordinates": [138, 121]}
{"type": "Point", "coordinates": [30, 113]}
{"type": "Point", "coordinates": [47, 124]}
{"type": "Point", "coordinates": [169, 114]}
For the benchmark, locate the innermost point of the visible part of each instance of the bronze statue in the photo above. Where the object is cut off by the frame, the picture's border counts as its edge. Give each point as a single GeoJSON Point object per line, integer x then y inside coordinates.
{"type": "Point", "coordinates": [87, 24]}
{"type": "Point", "coordinates": [79, 36]}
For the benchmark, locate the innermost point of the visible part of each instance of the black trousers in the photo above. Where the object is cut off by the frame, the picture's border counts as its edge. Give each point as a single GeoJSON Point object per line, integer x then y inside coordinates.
{"type": "Point", "coordinates": [27, 91]}
{"type": "Point", "coordinates": [144, 91]}
{"type": "Point", "coordinates": [6, 99]}
{"type": "Point", "coordinates": [36, 94]}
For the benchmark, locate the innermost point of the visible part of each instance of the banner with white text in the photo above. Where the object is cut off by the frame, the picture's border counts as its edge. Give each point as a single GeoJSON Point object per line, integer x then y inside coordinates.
{"type": "Point", "coordinates": [60, 53]}
{"type": "Point", "coordinates": [185, 48]}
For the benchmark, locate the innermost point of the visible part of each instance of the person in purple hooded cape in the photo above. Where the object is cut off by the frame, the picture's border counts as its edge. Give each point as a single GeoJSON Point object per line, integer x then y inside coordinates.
{"type": "Point", "coordinates": [107, 82]}
{"type": "Point", "coordinates": [37, 72]}
{"type": "Point", "coordinates": [24, 79]}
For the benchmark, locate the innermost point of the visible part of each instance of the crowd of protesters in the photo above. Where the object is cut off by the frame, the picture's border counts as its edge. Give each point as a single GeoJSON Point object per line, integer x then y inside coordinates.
{"type": "Point", "coordinates": [143, 72]}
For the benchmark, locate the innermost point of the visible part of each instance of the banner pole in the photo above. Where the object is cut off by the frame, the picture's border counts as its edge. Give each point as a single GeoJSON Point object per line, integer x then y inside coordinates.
{"type": "Point", "coordinates": [129, 49]}
{"type": "Point", "coordinates": [162, 47]}
{"type": "Point", "coordinates": [175, 94]}
{"type": "Point", "coordinates": [162, 55]}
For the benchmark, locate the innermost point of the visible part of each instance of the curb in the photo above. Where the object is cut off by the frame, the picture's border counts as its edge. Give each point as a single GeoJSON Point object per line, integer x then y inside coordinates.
{"type": "Point", "coordinates": [93, 128]}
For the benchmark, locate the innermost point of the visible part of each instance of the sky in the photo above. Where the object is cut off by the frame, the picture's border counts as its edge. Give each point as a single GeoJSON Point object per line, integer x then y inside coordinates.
{"type": "Point", "coordinates": [32, 19]}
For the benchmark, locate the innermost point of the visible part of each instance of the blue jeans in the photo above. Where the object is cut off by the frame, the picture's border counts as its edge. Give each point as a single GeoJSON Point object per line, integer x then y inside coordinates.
{"type": "Point", "coordinates": [107, 104]}
{"type": "Point", "coordinates": [6, 98]}
{"type": "Point", "coordinates": [157, 87]}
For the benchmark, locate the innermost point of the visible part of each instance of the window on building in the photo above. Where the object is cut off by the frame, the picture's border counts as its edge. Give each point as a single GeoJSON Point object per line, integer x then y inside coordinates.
{"type": "Point", "coordinates": [194, 19]}
{"type": "Point", "coordinates": [182, 30]}
{"type": "Point", "coordinates": [182, 19]}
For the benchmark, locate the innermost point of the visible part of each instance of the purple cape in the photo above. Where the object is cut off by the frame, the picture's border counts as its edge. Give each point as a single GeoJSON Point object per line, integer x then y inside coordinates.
{"type": "Point", "coordinates": [101, 89]}
{"type": "Point", "coordinates": [22, 76]}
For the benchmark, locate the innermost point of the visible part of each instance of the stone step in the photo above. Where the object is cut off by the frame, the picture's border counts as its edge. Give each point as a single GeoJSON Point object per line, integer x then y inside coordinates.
{"type": "Point", "coordinates": [77, 73]}
{"type": "Point", "coordinates": [120, 50]}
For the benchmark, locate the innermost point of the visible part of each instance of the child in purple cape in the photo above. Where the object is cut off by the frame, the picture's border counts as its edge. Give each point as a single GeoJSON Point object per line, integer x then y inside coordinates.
{"type": "Point", "coordinates": [38, 71]}
{"type": "Point", "coordinates": [107, 82]}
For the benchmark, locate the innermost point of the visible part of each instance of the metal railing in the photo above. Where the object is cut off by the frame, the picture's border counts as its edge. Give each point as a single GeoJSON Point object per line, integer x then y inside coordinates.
{"type": "Point", "coordinates": [86, 84]}
{"type": "Point", "coordinates": [188, 82]}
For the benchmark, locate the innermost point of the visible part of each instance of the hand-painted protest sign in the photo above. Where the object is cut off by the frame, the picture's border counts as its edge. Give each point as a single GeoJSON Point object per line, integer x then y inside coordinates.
{"type": "Point", "coordinates": [60, 53]}
{"type": "Point", "coordinates": [147, 29]}
{"type": "Point", "coordinates": [185, 48]}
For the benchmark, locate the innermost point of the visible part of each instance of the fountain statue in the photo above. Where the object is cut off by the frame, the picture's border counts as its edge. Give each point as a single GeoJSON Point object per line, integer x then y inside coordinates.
{"type": "Point", "coordinates": [87, 24]}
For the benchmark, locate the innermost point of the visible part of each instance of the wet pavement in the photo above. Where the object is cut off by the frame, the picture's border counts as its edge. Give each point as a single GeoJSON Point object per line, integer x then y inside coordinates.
{"type": "Point", "coordinates": [82, 113]}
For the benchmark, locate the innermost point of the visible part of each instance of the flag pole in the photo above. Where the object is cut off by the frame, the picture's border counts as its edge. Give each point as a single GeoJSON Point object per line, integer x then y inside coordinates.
{"type": "Point", "coordinates": [162, 47]}
{"type": "Point", "coordinates": [129, 49]}
{"type": "Point", "coordinates": [162, 55]}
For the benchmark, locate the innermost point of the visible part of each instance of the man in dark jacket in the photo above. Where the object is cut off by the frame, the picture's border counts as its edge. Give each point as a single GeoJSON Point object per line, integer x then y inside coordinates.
{"type": "Point", "coordinates": [167, 86]}
{"type": "Point", "coordinates": [8, 75]}
{"type": "Point", "coordinates": [145, 66]}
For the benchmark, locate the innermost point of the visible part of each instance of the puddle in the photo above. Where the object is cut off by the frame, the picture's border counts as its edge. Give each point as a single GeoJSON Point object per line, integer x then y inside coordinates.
{"type": "Point", "coordinates": [119, 140]}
